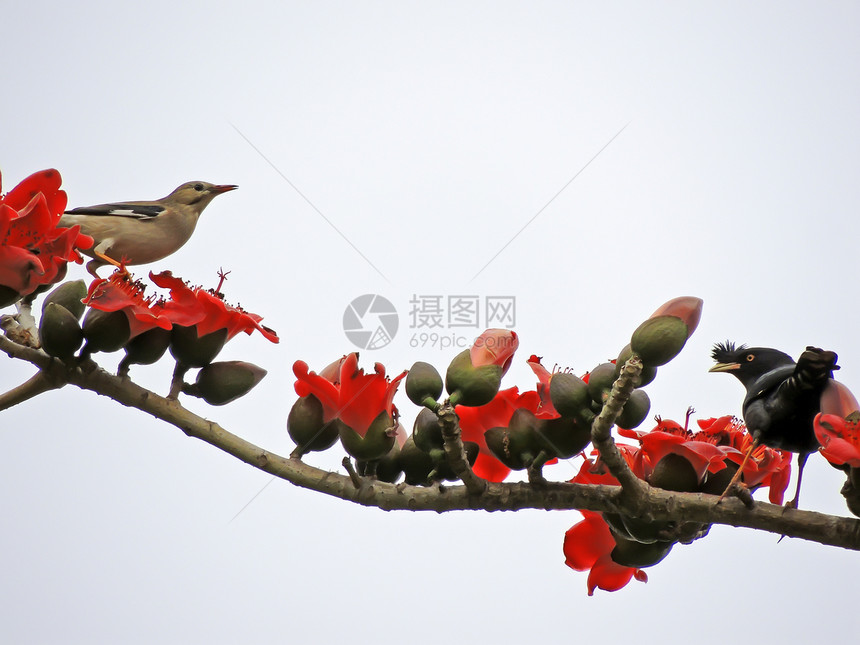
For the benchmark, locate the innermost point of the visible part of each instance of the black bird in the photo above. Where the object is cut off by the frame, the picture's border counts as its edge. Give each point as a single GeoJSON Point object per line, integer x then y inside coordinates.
{"type": "Point", "coordinates": [782, 397]}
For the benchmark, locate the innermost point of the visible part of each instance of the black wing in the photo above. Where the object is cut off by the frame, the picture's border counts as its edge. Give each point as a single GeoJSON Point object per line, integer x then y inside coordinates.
{"type": "Point", "coordinates": [137, 211]}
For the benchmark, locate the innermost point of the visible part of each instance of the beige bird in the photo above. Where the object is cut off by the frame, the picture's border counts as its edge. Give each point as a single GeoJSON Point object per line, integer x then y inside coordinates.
{"type": "Point", "coordinates": [131, 233]}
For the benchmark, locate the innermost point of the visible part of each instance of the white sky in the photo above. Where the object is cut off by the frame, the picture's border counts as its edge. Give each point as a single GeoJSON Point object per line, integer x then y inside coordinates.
{"type": "Point", "coordinates": [428, 134]}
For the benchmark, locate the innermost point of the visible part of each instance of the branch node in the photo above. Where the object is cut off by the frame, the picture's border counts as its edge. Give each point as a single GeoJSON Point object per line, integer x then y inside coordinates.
{"type": "Point", "coordinates": [353, 475]}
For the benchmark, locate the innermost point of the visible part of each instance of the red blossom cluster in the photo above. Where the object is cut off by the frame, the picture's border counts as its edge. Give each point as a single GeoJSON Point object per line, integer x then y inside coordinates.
{"type": "Point", "coordinates": [614, 548]}
{"type": "Point", "coordinates": [204, 310]}
{"type": "Point", "coordinates": [33, 251]}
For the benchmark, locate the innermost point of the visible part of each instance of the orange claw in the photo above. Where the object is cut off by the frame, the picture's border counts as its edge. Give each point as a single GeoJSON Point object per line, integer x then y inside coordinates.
{"type": "Point", "coordinates": [740, 470]}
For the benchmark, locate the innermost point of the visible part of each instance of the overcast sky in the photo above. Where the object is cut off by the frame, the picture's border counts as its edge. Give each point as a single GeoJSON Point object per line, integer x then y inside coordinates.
{"type": "Point", "coordinates": [417, 150]}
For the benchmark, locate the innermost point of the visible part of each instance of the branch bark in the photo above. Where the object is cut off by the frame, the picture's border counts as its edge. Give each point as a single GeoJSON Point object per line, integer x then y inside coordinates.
{"type": "Point", "coordinates": [601, 435]}
{"type": "Point", "coordinates": [455, 452]}
{"type": "Point", "coordinates": [655, 504]}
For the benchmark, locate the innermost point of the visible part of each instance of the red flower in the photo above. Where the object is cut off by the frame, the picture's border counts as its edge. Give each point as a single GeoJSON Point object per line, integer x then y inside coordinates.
{"type": "Point", "coordinates": [668, 437]}
{"type": "Point", "coordinates": [120, 293]}
{"type": "Point", "coordinates": [839, 438]}
{"type": "Point", "coordinates": [476, 420]}
{"type": "Point", "coordinates": [765, 467]}
{"type": "Point", "coordinates": [350, 395]}
{"type": "Point", "coordinates": [587, 547]}
{"type": "Point", "coordinates": [721, 439]}
{"type": "Point", "coordinates": [494, 347]}
{"type": "Point", "coordinates": [206, 310]}
{"type": "Point", "coordinates": [545, 410]}
{"type": "Point", "coordinates": [33, 251]}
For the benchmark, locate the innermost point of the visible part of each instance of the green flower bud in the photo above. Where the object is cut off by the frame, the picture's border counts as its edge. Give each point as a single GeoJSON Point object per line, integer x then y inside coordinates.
{"type": "Point", "coordinates": [386, 469]}
{"type": "Point", "coordinates": [416, 464]}
{"type": "Point", "coordinates": [716, 483]}
{"type": "Point", "coordinates": [629, 553]}
{"type": "Point", "coordinates": [662, 337]}
{"type": "Point", "coordinates": [104, 331]}
{"type": "Point", "coordinates": [148, 347]}
{"type": "Point", "coordinates": [471, 386]}
{"type": "Point", "coordinates": [634, 411]}
{"type": "Point", "coordinates": [221, 383]}
{"type": "Point", "coordinates": [616, 525]}
{"type": "Point", "coordinates": [646, 531]}
{"type": "Point", "coordinates": [659, 340]}
{"type": "Point", "coordinates": [60, 332]}
{"type": "Point", "coordinates": [375, 443]}
{"type": "Point", "coordinates": [674, 472]}
{"type": "Point", "coordinates": [423, 384]}
{"type": "Point", "coordinates": [68, 295]}
{"type": "Point", "coordinates": [600, 382]}
{"type": "Point", "coordinates": [421, 468]}
{"type": "Point", "coordinates": [306, 427]}
{"type": "Point", "coordinates": [569, 394]}
{"type": "Point", "coordinates": [564, 437]}
{"type": "Point", "coordinates": [517, 445]}
{"type": "Point", "coordinates": [427, 433]}
{"type": "Point", "coordinates": [647, 374]}
{"type": "Point", "coordinates": [191, 351]}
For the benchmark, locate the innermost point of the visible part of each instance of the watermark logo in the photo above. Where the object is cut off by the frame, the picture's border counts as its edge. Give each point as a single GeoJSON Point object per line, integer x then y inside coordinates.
{"type": "Point", "coordinates": [462, 311]}
{"type": "Point", "coordinates": [370, 321]}
{"type": "Point", "coordinates": [437, 320]}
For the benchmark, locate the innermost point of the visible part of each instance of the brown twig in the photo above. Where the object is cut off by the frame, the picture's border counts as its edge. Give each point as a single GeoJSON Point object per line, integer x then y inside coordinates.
{"type": "Point", "coordinates": [601, 435]}
{"type": "Point", "coordinates": [34, 386]}
{"type": "Point", "coordinates": [455, 452]}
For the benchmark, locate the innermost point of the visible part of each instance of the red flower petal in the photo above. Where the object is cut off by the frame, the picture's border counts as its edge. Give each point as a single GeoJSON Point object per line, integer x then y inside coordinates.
{"type": "Point", "coordinates": [475, 421]}
{"type": "Point", "coordinates": [838, 399]}
{"type": "Point", "coordinates": [489, 468]}
{"type": "Point", "coordinates": [687, 308]}
{"type": "Point", "coordinates": [588, 545]}
{"type": "Point", "coordinates": [545, 410]}
{"type": "Point", "coordinates": [494, 347]}
{"type": "Point", "coordinates": [196, 306]}
{"type": "Point", "coordinates": [356, 398]}
{"type": "Point", "coordinates": [119, 293]}
{"type": "Point", "coordinates": [839, 439]}
{"type": "Point", "coordinates": [311, 383]}
{"type": "Point", "coordinates": [587, 541]}
{"type": "Point", "coordinates": [610, 576]}
{"type": "Point", "coordinates": [29, 215]}
{"type": "Point", "coordinates": [46, 182]}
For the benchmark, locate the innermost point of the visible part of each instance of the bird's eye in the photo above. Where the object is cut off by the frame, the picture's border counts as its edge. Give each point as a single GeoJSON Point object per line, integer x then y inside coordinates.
{"type": "Point", "coordinates": [198, 187]}
{"type": "Point", "coordinates": [750, 357]}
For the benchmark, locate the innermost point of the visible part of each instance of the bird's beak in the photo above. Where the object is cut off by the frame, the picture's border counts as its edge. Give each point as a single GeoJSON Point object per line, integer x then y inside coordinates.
{"type": "Point", "coordinates": [223, 188]}
{"type": "Point", "coordinates": [725, 367]}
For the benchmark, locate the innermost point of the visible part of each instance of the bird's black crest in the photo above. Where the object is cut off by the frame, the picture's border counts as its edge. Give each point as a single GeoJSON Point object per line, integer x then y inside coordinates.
{"type": "Point", "coordinates": [723, 352]}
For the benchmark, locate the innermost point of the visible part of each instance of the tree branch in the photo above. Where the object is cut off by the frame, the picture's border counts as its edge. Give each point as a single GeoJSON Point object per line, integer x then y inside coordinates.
{"type": "Point", "coordinates": [656, 504]}
{"type": "Point", "coordinates": [34, 386]}
{"type": "Point", "coordinates": [601, 435]}
{"type": "Point", "coordinates": [455, 452]}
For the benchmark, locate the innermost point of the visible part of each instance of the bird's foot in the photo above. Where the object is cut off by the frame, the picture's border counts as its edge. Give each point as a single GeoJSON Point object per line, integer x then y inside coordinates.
{"type": "Point", "coordinates": [105, 259]}
{"type": "Point", "coordinates": [738, 489]}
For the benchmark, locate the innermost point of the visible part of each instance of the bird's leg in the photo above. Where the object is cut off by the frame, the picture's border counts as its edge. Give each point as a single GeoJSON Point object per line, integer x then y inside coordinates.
{"type": "Point", "coordinates": [103, 259]}
{"type": "Point", "coordinates": [108, 259]}
{"type": "Point", "coordinates": [801, 462]}
{"type": "Point", "coordinates": [737, 476]}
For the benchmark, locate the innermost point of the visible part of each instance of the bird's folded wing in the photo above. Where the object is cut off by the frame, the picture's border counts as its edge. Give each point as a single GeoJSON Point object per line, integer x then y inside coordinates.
{"type": "Point", "coordinates": [813, 370]}
{"type": "Point", "coordinates": [769, 381]}
{"type": "Point", "coordinates": [135, 211]}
